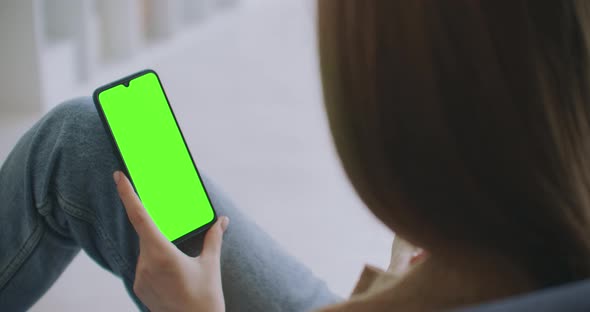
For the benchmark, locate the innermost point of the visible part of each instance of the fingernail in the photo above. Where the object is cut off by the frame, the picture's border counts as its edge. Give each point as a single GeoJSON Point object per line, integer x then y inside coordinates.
{"type": "Point", "coordinates": [117, 177]}
{"type": "Point", "coordinates": [224, 223]}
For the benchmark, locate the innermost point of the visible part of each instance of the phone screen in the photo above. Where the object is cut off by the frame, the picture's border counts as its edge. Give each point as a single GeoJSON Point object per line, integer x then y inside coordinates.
{"type": "Point", "coordinates": [157, 159]}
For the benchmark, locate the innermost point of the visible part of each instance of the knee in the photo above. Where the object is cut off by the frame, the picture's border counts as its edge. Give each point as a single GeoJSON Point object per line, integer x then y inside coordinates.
{"type": "Point", "coordinates": [70, 151]}
{"type": "Point", "coordinates": [76, 128]}
{"type": "Point", "coordinates": [76, 112]}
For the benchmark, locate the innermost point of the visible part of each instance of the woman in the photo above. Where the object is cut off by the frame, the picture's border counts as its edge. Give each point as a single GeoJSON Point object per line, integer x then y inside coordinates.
{"type": "Point", "coordinates": [463, 125]}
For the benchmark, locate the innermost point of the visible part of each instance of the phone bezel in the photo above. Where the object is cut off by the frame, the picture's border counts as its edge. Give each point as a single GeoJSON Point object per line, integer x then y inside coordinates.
{"type": "Point", "coordinates": [126, 81]}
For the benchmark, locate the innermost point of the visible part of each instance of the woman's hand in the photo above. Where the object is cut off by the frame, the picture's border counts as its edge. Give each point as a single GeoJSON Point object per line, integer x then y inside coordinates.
{"type": "Point", "coordinates": [165, 278]}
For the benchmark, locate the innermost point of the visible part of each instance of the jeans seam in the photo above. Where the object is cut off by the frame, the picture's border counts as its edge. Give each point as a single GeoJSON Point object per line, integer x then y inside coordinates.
{"type": "Point", "coordinates": [21, 256]}
{"type": "Point", "coordinates": [82, 214]}
{"type": "Point", "coordinates": [44, 209]}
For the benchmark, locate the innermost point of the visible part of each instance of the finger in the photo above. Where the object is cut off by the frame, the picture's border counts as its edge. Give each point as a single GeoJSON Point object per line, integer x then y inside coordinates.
{"type": "Point", "coordinates": [214, 239]}
{"type": "Point", "coordinates": [418, 256]}
{"type": "Point", "coordinates": [138, 216]}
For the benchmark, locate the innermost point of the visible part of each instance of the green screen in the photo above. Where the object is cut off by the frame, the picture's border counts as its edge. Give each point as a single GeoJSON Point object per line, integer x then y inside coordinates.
{"type": "Point", "coordinates": [156, 156]}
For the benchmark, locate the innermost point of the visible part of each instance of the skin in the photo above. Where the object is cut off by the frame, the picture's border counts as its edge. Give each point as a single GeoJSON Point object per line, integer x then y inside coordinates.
{"type": "Point", "coordinates": [166, 279]}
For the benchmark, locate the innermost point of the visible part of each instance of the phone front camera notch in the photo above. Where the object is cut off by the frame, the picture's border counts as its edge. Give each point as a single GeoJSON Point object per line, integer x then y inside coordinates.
{"type": "Point", "coordinates": [126, 84]}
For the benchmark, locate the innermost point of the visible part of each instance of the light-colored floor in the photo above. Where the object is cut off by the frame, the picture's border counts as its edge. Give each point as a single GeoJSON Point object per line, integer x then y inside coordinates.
{"type": "Point", "coordinates": [248, 97]}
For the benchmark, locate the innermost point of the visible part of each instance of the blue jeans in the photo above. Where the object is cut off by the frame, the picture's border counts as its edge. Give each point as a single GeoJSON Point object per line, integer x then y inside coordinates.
{"type": "Point", "coordinates": [57, 196]}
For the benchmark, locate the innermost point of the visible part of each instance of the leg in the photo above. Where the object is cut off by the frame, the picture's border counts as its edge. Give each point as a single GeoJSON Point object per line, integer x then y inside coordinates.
{"type": "Point", "coordinates": [57, 196]}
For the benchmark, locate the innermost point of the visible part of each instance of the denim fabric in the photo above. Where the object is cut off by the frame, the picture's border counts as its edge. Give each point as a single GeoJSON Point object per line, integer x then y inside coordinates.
{"type": "Point", "coordinates": [57, 196]}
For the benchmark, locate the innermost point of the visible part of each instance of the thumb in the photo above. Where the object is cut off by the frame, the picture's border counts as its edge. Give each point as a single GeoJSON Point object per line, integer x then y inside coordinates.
{"type": "Point", "coordinates": [214, 239]}
{"type": "Point", "coordinates": [140, 219]}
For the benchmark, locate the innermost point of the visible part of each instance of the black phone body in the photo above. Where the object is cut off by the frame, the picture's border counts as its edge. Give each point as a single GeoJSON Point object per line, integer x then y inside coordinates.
{"type": "Point", "coordinates": [144, 131]}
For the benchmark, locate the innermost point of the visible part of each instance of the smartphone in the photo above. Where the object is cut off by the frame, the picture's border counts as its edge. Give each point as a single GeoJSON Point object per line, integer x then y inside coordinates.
{"type": "Point", "coordinates": [137, 115]}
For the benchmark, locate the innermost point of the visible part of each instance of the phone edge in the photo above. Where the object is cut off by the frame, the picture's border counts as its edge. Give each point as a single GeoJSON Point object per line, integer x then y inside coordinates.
{"type": "Point", "coordinates": [109, 132]}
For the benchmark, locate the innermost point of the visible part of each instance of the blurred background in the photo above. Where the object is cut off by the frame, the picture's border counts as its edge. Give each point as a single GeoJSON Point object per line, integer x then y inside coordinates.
{"type": "Point", "coordinates": [243, 79]}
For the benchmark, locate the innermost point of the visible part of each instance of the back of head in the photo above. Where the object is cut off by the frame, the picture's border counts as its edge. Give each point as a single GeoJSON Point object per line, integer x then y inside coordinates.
{"type": "Point", "coordinates": [467, 123]}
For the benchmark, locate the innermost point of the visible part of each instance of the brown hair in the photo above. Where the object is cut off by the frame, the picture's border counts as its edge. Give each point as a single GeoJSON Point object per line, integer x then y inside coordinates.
{"type": "Point", "coordinates": [466, 123]}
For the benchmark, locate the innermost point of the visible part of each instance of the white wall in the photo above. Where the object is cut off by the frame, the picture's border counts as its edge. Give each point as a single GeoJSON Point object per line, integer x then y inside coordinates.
{"type": "Point", "coordinates": [20, 85]}
{"type": "Point", "coordinates": [53, 50]}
